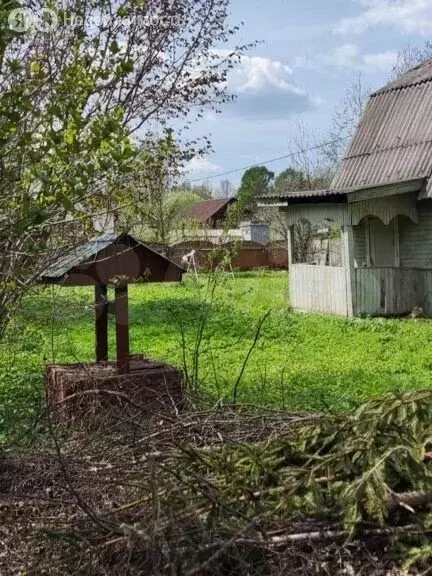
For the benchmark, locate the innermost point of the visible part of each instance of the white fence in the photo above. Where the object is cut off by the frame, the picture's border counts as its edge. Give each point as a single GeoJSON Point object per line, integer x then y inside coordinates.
{"type": "Point", "coordinates": [377, 291]}
{"type": "Point", "coordinates": [319, 289]}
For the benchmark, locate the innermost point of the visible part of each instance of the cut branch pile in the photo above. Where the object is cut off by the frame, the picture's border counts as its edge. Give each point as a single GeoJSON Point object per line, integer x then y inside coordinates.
{"type": "Point", "coordinates": [251, 492]}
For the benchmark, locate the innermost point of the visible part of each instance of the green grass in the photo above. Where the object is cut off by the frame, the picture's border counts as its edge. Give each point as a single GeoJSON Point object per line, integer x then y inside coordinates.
{"type": "Point", "coordinates": [302, 362]}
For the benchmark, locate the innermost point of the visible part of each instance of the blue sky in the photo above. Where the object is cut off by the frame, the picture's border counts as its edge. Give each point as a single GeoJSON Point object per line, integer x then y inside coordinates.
{"type": "Point", "coordinates": [312, 51]}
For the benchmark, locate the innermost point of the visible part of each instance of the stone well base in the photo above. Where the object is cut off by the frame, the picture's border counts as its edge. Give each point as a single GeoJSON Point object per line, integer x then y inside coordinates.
{"type": "Point", "coordinates": [90, 391]}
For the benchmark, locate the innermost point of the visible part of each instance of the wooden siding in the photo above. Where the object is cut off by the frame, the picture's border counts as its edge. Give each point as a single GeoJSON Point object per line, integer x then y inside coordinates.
{"type": "Point", "coordinates": [352, 214]}
{"type": "Point", "coordinates": [426, 291]}
{"type": "Point", "coordinates": [360, 257]}
{"type": "Point", "coordinates": [387, 291]}
{"type": "Point", "coordinates": [385, 208]}
{"type": "Point", "coordinates": [318, 213]}
{"type": "Point", "coordinates": [416, 239]}
{"type": "Point", "coordinates": [319, 289]}
{"type": "Point", "coordinates": [377, 291]}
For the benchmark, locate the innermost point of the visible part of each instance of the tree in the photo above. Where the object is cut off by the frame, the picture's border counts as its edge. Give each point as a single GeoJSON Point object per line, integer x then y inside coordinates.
{"type": "Point", "coordinates": [346, 117]}
{"type": "Point", "coordinates": [411, 56]}
{"type": "Point", "coordinates": [226, 189]}
{"type": "Point", "coordinates": [77, 97]}
{"type": "Point", "coordinates": [255, 182]}
{"type": "Point", "coordinates": [290, 179]}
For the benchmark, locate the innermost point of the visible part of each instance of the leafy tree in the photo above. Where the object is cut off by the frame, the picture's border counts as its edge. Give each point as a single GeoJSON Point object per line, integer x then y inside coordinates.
{"type": "Point", "coordinates": [156, 211]}
{"type": "Point", "coordinates": [255, 182]}
{"type": "Point", "coordinates": [290, 179]}
{"type": "Point", "coordinates": [76, 101]}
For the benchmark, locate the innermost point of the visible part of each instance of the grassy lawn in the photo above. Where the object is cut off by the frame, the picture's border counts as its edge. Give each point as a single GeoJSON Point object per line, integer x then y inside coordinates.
{"type": "Point", "coordinates": [303, 362]}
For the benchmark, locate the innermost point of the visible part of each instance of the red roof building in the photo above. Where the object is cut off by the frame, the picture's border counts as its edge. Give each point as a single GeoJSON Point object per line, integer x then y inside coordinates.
{"type": "Point", "coordinates": [211, 213]}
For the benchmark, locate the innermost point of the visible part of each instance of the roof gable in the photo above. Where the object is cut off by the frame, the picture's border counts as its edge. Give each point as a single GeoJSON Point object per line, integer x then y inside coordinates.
{"type": "Point", "coordinates": [393, 141]}
{"type": "Point", "coordinates": [104, 257]}
{"type": "Point", "coordinates": [207, 209]}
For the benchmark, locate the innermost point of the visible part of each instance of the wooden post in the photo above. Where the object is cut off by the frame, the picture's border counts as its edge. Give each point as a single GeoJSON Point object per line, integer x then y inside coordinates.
{"type": "Point", "coordinates": [396, 241]}
{"type": "Point", "coordinates": [122, 327]}
{"type": "Point", "coordinates": [348, 260]}
{"type": "Point", "coordinates": [368, 242]}
{"type": "Point", "coordinates": [101, 322]}
{"type": "Point", "coordinates": [290, 265]}
{"type": "Point", "coordinates": [290, 246]}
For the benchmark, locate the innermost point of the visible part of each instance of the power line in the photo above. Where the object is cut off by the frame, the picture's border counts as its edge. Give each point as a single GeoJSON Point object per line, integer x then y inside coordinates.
{"type": "Point", "coordinates": [291, 155]}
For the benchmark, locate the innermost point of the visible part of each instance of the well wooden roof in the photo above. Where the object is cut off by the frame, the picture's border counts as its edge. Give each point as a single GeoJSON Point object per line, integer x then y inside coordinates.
{"type": "Point", "coordinates": [106, 256]}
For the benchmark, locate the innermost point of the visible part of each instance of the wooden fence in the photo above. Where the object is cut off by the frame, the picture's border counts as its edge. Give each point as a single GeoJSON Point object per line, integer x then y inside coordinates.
{"type": "Point", "coordinates": [246, 255]}
{"type": "Point", "coordinates": [376, 291]}
{"type": "Point", "coordinates": [319, 289]}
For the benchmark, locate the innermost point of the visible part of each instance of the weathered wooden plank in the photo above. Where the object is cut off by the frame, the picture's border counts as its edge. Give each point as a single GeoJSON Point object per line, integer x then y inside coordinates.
{"type": "Point", "coordinates": [387, 291]}
{"type": "Point", "coordinates": [348, 261]}
{"type": "Point", "coordinates": [319, 289]}
{"type": "Point", "coordinates": [122, 327]}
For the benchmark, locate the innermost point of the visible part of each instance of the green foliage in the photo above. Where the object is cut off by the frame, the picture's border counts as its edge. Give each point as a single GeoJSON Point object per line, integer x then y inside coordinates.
{"type": "Point", "coordinates": [290, 179]}
{"type": "Point", "coordinates": [255, 182]}
{"type": "Point", "coordinates": [353, 469]}
{"type": "Point", "coordinates": [302, 362]}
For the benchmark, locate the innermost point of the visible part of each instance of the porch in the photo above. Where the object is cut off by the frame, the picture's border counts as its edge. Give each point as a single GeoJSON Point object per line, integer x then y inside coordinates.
{"type": "Point", "coordinates": [376, 291]}
{"type": "Point", "coordinates": [376, 274]}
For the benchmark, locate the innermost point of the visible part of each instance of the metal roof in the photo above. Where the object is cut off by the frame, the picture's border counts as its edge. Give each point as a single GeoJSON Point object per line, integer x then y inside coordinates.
{"type": "Point", "coordinates": [205, 210]}
{"type": "Point", "coordinates": [85, 252]}
{"type": "Point", "coordinates": [417, 75]}
{"type": "Point", "coordinates": [393, 141]}
{"type": "Point", "coordinates": [300, 194]}
{"type": "Point", "coordinates": [79, 254]}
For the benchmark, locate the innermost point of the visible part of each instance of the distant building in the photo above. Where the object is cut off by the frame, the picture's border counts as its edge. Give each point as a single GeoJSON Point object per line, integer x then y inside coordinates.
{"type": "Point", "coordinates": [211, 218]}
{"type": "Point", "coordinates": [211, 213]}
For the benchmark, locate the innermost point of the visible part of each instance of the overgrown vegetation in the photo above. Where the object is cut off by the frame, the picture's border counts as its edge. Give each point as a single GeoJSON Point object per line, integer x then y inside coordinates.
{"type": "Point", "coordinates": [228, 491]}
{"type": "Point", "coordinates": [301, 362]}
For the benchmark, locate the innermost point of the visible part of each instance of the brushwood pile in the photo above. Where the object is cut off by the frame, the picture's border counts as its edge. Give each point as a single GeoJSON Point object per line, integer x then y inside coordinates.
{"type": "Point", "coordinates": [227, 491]}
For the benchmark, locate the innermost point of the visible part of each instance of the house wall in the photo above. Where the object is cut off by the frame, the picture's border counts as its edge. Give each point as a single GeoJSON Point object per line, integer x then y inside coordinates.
{"type": "Point", "coordinates": [359, 233]}
{"type": "Point", "coordinates": [415, 244]}
{"type": "Point", "coordinates": [320, 289]}
{"type": "Point", "coordinates": [255, 232]}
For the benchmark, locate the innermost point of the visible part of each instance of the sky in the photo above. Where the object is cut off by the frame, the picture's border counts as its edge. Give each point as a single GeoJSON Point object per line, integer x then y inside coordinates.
{"type": "Point", "coordinates": [311, 53]}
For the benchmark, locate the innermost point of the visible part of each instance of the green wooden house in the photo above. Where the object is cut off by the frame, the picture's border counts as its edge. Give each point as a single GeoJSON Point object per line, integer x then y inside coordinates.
{"type": "Point", "coordinates": [381, 198]}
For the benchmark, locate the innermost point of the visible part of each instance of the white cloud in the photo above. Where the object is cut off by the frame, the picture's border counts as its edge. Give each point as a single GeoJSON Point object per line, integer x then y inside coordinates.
{"type": "Point", "coordinates": [380, 61]}
{"type": "Point", "coordinates": [266, 87]}
{"type": "Point", "coordinates": [198, 166]}
{"type": "Point", "coordinates": [349, 56]}
{"type": "Point", "coordinates": [255, 73]}
{"type": "Point", "coordinates": [409, 16]}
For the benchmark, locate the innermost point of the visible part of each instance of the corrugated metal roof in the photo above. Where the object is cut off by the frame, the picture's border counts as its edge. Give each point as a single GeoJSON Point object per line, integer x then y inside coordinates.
{"type": "Point", "coordinates": [300, 194]}
{"type": "Point", "coordinates": [393, 141]}
{"type": "Point", "coordinates": [417, 75]}
{"type": "Point", "coordinates": [205, 210]}
{"type": "Point", "coordinates": [78, 255]}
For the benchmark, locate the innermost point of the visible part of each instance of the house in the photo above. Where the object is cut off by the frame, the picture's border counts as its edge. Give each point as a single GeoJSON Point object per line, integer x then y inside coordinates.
{"type": "Point", "coordinates": [211, 213]}
{"type": "Point", "coordinates": [211, 216]}
{"type": "Point", "coordinates": [381, 199]}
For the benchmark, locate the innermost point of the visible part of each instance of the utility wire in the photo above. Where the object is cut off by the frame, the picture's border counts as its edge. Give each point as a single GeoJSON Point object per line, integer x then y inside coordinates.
{"type": "Point", "coordinates": [291, 155]}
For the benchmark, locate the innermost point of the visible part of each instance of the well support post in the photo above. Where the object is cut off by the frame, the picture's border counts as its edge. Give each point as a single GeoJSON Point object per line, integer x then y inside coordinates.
{"type": "Point", "coordinates": [122, 327]}
{"type": "Point", "coordinates": [101, 322]}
